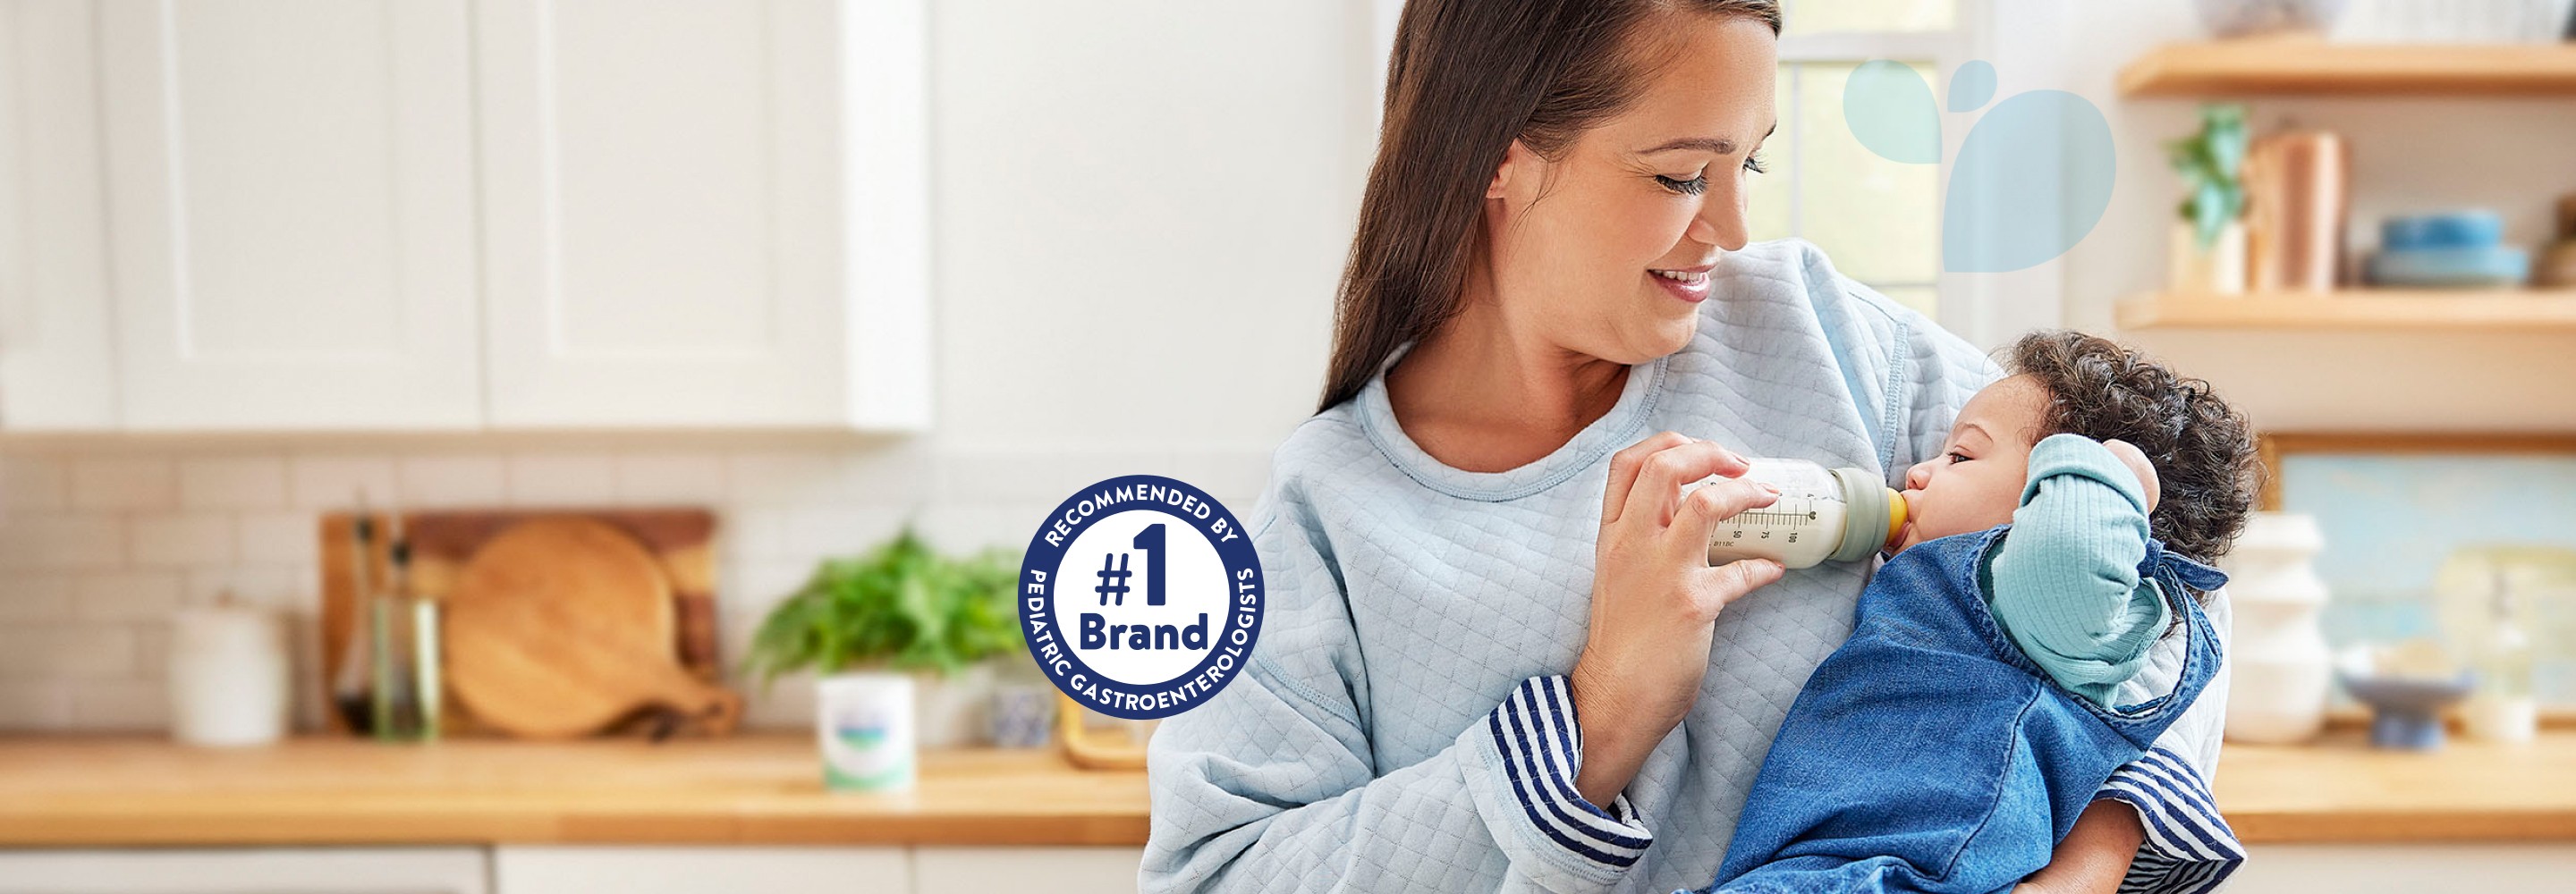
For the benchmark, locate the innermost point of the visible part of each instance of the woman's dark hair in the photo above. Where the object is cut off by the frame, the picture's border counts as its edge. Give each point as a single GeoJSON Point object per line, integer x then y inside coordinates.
{"type": "Point", "coordinates": [1466, 79]}
{"type": "Point", "coordinates": [2206, 462]}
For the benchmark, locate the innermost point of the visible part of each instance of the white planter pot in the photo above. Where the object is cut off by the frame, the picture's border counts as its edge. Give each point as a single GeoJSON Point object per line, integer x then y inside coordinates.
{"type": "Point", "coordinates": [2216, 270]}
{"type": "Point", "coordinates": [864, 724]}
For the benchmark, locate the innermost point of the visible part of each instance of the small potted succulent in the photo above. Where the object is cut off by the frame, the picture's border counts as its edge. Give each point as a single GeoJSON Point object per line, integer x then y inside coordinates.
{"type": "Point", "coordinates": [2207, 249]}
{"type": "Point", "coordinates": [890, 633]}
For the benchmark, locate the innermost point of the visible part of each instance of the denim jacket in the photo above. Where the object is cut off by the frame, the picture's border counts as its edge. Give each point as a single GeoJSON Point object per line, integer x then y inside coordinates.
{"type": "Point", "coordinates": [1929, 754]}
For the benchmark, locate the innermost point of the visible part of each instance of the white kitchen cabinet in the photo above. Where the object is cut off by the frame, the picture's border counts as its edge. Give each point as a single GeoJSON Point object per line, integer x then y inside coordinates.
{"type": "Point", "coordinates": [1055, 870]}
{"type": "Point", "coordinates": [291, 213]}
{"type": "Point", "coordinates": [57, 361]}
{"type": "Point", "coordinates": [704, 213]}
{"type": "Point", "coordinates": [611, 869]}
{"type": "Point", "coordinates": [441, 214]}
{"type": "Point", "coordinates": [421, 870]}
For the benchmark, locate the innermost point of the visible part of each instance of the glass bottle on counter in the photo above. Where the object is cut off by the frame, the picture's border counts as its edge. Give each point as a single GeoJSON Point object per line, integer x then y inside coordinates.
{"type": "Point", "coordinates": [2501, 707]}
{"type": "Point", "coordinates": [1841, 515]}
{"type": "Point", "coordinates": [404, 628]}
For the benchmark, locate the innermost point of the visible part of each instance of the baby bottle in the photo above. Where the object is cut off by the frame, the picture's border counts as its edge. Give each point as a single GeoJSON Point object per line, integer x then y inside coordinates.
{"type": "Point", "coordinates": [1841, 514]}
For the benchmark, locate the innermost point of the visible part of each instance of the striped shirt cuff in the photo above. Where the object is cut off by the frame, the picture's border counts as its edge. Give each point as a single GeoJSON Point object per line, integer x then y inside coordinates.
{"type": "Point", "coordinates": [2189, 848]}
{"type": "Point", "coordinates": [1542, 748]}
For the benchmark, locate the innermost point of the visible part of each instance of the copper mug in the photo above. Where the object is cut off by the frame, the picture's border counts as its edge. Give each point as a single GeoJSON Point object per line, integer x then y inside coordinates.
{"type": "Point", "coordinates": [2297, 191]}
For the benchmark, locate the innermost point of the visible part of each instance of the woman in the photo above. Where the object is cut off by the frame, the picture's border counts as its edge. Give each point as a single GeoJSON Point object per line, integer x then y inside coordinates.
{"type": "Point", "coordinates": [1494, 654]}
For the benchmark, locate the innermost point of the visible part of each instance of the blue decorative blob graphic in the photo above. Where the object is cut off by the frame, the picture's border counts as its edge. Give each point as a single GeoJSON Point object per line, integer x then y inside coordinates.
{"type": "Point", "coordinates": [2033, 177]}
{"type": "Point", "coordinates": [1972, 86]}
{"type": "Point", "coordinates": [1890, 110]}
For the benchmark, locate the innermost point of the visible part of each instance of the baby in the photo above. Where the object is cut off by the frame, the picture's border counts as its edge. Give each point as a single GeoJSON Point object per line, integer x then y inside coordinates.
{"type": "Point", "coordinates": [2005, 660]}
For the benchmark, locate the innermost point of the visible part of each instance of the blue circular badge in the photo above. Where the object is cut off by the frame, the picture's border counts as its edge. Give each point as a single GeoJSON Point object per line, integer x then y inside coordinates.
{"type": "Point", "coordinates": [1140, 596]}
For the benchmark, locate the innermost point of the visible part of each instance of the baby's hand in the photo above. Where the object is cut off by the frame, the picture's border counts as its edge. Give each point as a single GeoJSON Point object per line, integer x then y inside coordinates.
{"type": "Point", "coordinates": [2136, 460]}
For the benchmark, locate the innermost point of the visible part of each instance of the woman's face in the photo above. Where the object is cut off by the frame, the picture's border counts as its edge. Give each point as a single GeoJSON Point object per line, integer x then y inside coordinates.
{"type": "Point", "coordinates": [1606, 251]}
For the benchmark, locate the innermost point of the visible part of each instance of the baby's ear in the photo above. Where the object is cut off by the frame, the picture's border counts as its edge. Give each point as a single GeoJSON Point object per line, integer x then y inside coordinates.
{"type": "Point", "coordinates": [2139, 465]}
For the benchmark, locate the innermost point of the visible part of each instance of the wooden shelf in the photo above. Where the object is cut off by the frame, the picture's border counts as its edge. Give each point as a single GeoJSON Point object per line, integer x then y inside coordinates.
{"type": "Point", "coordinates": [2309, 66]}
{"type": "Point", "coordinates": [2365, 309]}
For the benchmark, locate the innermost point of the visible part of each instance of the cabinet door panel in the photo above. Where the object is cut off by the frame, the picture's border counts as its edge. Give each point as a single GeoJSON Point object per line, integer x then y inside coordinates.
{"type": "Point", "coordinates": [661, 213]}
{"type": "Point", "coordinates": [56, 366]}
{"type": "Point", "coordinates": [387, 870]}
{"type": "Point", "coordinates": [611, 869]}
{"type": "Point", "coordinates": [1056, 870]}
{"type": "Point", "coordinates": [290, 188]}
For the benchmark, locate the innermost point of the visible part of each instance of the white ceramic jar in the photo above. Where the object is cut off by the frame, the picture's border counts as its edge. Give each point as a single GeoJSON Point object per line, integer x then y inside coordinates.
{"type": "Point", "coordinates": [2281, 670]}
{"type": "Point", "coordinates": [228, 672]}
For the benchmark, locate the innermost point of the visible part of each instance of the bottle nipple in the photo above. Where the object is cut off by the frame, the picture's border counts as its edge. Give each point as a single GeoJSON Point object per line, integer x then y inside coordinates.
{"type": "Point", "coordinates": [1895, 518]}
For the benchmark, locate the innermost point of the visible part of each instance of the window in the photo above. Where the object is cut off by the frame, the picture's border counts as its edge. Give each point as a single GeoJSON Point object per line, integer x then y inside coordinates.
{"type": "Point", "coordinates": [1879, 220]}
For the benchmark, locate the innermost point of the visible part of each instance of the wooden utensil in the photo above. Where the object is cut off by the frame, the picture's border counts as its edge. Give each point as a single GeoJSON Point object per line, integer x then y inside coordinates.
{"type": "Point", "coordinates": [444, 540]}
{"type": "Point", "coordinates": [561, 625]}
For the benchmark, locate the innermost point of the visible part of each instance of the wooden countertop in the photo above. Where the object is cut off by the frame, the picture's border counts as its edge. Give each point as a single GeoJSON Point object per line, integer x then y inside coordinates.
{"type": "Point", "coordinates": [2338, 789]}
{"type": "Point", "coordinates": [766, 790]}
{"type": "Point", "coordinates": [743, 790]}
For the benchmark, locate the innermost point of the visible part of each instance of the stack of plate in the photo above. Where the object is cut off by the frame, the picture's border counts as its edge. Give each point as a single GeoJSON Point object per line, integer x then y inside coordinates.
{"type": "Point", "coordinates": [2460, 249]}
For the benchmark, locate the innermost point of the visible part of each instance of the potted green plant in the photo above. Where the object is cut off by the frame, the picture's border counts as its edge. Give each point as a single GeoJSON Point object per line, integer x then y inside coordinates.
{"type": "Point", "coordinates": [2206, 253]}
{"type": "Point", "coordinates": [890, 633]}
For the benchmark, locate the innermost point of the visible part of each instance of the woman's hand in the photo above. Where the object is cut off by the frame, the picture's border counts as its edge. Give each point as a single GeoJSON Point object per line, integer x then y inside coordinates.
{"type": "Point", "coordinates": [1655, 600]}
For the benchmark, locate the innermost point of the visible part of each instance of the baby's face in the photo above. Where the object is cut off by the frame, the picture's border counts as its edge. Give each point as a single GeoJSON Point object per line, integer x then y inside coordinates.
{"type": "Point", "coordinates": [1976, 482]}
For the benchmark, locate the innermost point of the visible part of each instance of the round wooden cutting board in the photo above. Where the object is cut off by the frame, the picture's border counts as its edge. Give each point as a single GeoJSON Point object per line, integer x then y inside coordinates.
{"type": "Point", "coordinates": [561, 625]}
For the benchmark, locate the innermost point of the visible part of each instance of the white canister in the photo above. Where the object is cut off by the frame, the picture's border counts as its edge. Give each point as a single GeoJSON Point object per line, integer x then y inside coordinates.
{"type": "Point", "coordinates": [2281, 669]}
{"type": "Point", "coordinates": [864, 722]}
{"type": "Point", "coordinates": [228, 673]}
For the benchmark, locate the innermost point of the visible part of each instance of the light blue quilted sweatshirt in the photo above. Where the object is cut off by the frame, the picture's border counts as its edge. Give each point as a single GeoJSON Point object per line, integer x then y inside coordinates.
{"type": "Point", "coordinates": [1403, 724]}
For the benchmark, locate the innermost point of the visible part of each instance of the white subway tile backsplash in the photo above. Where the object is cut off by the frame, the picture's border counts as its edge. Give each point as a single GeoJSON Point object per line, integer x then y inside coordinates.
{"type": "Point", "coordinates": [787, 703]}
{"type": "Point", "coordinates": [35, 484]}
{"type": "Point", "coordinates": [121, 705]}
{"type": "Point", "coordinates": [671, 479]}
{"type": "Point", "coordinates": [447, 481]}
{"type": "Point", "coordinates": [152, 651]}
{"type": "Point", "coordinates": [961, 528]}
{"type": "Point", "coordinates": [35, 597]}
{"type": "Point", "coordinates": [28, 706]}
{"type": "Point", "coordinates": [67, 651]}
{"type": "Point", "coordinates": [840, 532]}
{"type": "Point", "coordinates": [788, 478]}
{"type": "Point", "coordinates": [553, 480]}
{"type": "Point", "coordinates": [233, 483]}
{"type": "Point", "coordinates": [748, 533]}
{"type": "Point", "coordinates": [334, 482]}
{"type": "Point", "coordinates": [64, 542]}
{"type": "Point", "coordinates": [280, 538]}
{"type": "Point", "coordinates": [183, 540]}
{"type": "Point", "coordinates": [982, 477]}
{"type": "Point", "coordinates": [1080, 470]}
{"type": "Point", "coordinates": [96, 551]}
{"type": "Point", "coordinates": [275, 586]}
{"type": "Point", "coordinates": [904, 474]}
{"type": "Point", "coordinates": [124, 483]}
{"type": "Point", "coordinates": [752, 588]}
{"type": "Point", "coordinates": [138, 596]}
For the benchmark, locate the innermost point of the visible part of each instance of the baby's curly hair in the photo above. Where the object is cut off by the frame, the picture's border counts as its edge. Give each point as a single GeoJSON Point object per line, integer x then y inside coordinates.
{"type": "Point", "coordinates": [2203, 450]}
